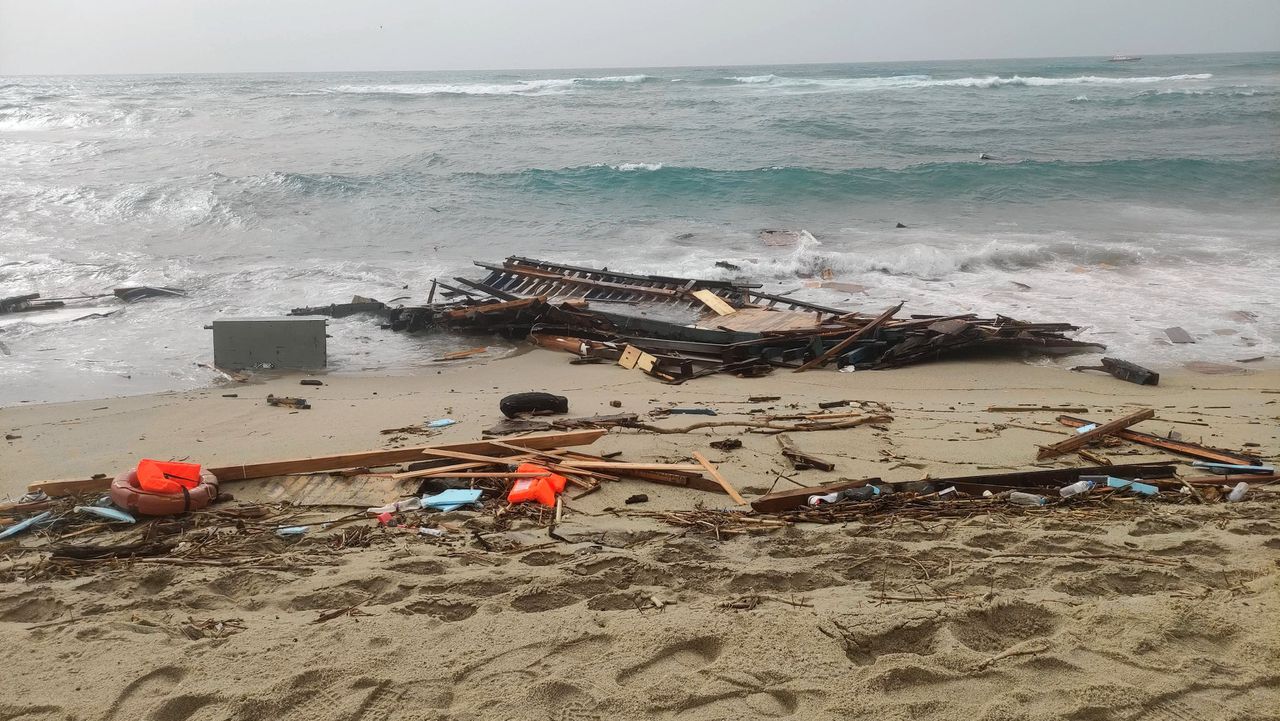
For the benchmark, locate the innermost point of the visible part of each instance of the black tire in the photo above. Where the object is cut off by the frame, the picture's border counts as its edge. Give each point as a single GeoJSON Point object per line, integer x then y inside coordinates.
{"type": "Point", "coordinates": [518, 403]}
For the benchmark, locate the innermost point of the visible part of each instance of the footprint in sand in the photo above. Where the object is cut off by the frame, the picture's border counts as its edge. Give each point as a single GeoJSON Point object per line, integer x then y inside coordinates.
{"type": "Point", "coordinates": [154, 696]}
{"type": "Point", "coordinates": [674, 660]}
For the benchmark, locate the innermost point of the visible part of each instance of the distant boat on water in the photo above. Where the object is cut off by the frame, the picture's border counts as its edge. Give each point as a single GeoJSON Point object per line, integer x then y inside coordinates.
{"type": "Point", "coordinates": [1123, 58]}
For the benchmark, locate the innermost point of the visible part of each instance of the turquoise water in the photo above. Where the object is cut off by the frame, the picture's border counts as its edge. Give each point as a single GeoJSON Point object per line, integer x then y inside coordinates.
{"type": "Point", "coordinates": [1129, 196]}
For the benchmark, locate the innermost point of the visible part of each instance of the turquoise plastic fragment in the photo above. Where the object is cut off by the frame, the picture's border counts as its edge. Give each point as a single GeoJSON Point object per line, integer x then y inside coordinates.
{"type": "Point", "coordinates": [1143, 488]}
{"type": "Point", "coordinates": [452, 499]}
{"type": "Point", "coordinates": [111, 514]}
{"type": "Point", "coordinates": [21, 526]}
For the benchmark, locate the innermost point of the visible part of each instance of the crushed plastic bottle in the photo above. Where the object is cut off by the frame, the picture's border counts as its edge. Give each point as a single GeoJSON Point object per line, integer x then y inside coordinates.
{"type": "Point", "coordinates": [1075, 489]}
{"type": "Point", "coordinates": [1027, 499]}
{"type": "Point", "coordinates": [1237, 494]}
{"type": "Point", "coordinates": [948, 493]}
{"type": "Point", "coordinates": [861, 493]}
{"type": "Point", "coordinates": [821, 498]}
{"type": "Point", "coordinates": [408, 504]}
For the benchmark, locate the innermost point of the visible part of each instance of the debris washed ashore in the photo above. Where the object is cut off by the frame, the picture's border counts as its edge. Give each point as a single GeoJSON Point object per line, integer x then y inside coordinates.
{"type": "Point", "coordinates": [689, 328]}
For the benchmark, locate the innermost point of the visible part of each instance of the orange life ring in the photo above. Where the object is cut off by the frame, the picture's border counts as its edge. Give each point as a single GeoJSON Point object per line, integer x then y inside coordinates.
{"type": "Point", "coordinates": [127, 494]}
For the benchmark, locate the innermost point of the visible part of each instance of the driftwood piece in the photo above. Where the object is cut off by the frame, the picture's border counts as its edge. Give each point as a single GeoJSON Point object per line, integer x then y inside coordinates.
{"type": "Point", "coordinates": [1080, 440]}
{"type": "Point", "coordinates": [799, 459]}
{"type": "Point", "coordinates": [767, 426]}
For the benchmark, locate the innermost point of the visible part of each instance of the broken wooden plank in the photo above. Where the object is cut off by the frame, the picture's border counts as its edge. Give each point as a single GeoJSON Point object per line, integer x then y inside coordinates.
{"type": "Point", "coordinates": [1178, 335]}
{"type": "Point", "coordinates": [801, 460]}
{"type": "Point", "coordinates": [798, 497]}
{"type": "Point", "coordinates": [461, 354]}
{"type": "Point", "coordinates": [1080, 440]}
{"type": "Point", "coordinates": [370, 459]}
{"type": "Point", "coordinates": [1125, 371]}
{"type": "Point", "coordinates": [862, 332]}
{"type": "Point", "coordinates": [1186, 448]}
{"type": "Point", "coordinates": [618, 466]}
{"type": "Point", "coordinates": [476, 457]}
{"type": "Point", "coordinates": [715, 474]}
{"type": "Point", "coordinates": [714, 302]}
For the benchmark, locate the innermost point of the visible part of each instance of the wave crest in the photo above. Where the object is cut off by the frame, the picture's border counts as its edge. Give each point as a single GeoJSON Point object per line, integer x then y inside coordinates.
{"type": "Point", "coordinates": [546, 86]}
{"type": "Point", "coordinates": [926, 81]}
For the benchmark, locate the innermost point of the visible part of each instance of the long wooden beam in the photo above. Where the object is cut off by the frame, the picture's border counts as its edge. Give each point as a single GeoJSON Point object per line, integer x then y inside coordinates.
{"type": "Point", "coordinates": [1195, 450]}
{"type": "Point", "coordinates": [363, 459]}
{"type": "Point", "coordinates": [1080, 440]}
{"type": "Point", "coordinates": [859, 334]}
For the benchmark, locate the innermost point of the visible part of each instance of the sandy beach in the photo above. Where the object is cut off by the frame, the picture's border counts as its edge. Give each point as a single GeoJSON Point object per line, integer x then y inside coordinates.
{"type": "Point", "coordinates": [1139, 612]}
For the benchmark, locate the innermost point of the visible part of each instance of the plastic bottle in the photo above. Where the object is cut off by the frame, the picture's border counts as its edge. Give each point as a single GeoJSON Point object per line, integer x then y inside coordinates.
{"type": "Point", "coordinates": [1075, 489]}
{"type": "Point", "coordinates": [820, 499]}
{"type": "Point", "coordinates": [1237, 494]}
{"type": "Point", "coordinates": [1027, 499]}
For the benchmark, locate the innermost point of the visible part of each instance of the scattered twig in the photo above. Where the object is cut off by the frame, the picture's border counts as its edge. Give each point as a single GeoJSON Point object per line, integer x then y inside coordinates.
{"type": "Point", "coordinates": [1038, 647]}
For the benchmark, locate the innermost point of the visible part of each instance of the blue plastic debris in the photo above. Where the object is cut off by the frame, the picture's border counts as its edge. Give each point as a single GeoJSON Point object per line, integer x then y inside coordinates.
{"type": "Point", "coordinates": [1143, 488]}
{"type": "Point", "coordinates": [21, 526]}
{"type": "Point", "coordinates": [111, 514]}
{"type": "Point", "coordinates": [441, 423]}
{"type": "Point", "coordinates": [452, 499]}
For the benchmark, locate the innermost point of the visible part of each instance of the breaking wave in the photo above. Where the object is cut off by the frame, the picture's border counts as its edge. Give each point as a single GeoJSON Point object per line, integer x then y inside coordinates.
{"type": "Point", "coordinates": [926, 81]}
{"type": "Point", "coordinates": [548, 86]}
{"type": "Point", "coordinates": [28, 118]}
{"type": "Point", "coordinates": [930, 261]}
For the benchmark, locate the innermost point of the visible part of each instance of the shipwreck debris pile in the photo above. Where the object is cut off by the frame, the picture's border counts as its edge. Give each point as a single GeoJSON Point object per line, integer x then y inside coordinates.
{"type": "Point", "coordinates": [687, 328]}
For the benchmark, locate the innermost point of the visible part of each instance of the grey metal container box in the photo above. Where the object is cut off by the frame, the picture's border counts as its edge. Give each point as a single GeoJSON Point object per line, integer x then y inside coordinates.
{"type": "Point", "coordinates": [296, 342]}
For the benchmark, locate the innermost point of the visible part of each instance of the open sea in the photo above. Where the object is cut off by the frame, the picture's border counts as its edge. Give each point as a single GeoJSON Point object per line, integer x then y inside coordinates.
{"type": "Point", "coordinates": [1129, 197]}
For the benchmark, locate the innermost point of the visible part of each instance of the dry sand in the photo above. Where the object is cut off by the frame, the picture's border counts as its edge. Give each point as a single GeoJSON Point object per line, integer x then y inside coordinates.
{"type": "Point", "coordinates": [1163, 612]}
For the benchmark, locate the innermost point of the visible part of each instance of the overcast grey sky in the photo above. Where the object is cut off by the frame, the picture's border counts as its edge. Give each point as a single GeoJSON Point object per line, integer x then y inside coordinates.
{"type": "Point", "coordinates": [163, 36]}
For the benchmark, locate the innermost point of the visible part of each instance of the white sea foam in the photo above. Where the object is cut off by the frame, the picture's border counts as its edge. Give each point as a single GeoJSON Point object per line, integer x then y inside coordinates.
{"type": "Point", "coordinates": [926, 81]}
{"type": "Point", "coordinates": [545, 86]}
{"type": "Point", "coordinates": [631, 167]}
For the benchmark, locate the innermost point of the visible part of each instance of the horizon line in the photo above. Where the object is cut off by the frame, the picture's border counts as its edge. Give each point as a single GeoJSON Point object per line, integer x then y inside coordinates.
{"type": "Point", "coordinates": [625, 67]}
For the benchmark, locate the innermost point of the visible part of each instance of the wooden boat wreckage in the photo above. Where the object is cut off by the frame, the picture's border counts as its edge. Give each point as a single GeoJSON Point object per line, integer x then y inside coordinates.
{"type": "Point", "coordinates": [677, 329]}
{"type": "Point", "coordinates": [33, 302]}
